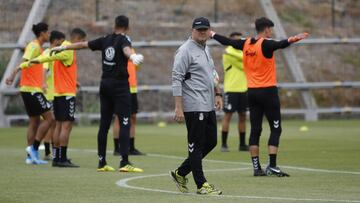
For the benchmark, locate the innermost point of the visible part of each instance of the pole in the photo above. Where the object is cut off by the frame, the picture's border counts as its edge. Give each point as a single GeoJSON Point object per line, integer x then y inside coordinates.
{"type": "Point", "coordinates": [97, 10]}
{"type": "Point", "coordinates": [333, 14]}
{"type": "Point", "coordinates": [215, 11]}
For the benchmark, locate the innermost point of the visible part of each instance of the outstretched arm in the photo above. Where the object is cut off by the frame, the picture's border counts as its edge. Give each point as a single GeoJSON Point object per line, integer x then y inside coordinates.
{"type": "Point", "coordinates": [298, 37]}
{"type": "Point", "coordinates": [237, 44]}
{"type": "Point", "coordinates": [9, 80]}
{"type": "Point", "coordinates": [273, 45]}
{"type": "Point", "coordinates": [64, 56]}
{"type": "Point", "coordinates": [74, 46]}
{"type": "Point", "coordinates": [269, 45]}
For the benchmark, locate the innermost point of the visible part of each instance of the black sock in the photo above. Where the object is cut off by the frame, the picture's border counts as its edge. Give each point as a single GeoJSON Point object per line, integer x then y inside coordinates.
{"type": "Point", "coordinates": [132, 143]}
{"type": "Point", "coordinates": [116, 144]}
{"type": "Point", "coordinates": [56, 154]}
{"type": "Point", "coordinates": [63, 156]}
{"type": "Point", "coordinates": [242, 138]}
{"type": "Point", "coordinates": [36, 145]}
{"type": "Point", "coordinates": [272, 160]}
{"type": "Point", "coordinates": [224, 136]}
{"type": "Point", "coordinates": [47, 148]}
{"type": "Point", "coordinates": [102, 162]}
{"type": "Point", "coordinates": [124, 160]}
{"type": "Point", "coordinates": [256, 162]}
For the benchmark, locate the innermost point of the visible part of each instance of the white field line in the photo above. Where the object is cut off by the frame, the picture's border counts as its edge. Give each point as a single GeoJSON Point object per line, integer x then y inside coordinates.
{"type": "Point", "coordinates": [249, 164]}
{"type": "Point", "coordinates": [237, 163]}
{"type": "Point", "coordinates": [124, 183]}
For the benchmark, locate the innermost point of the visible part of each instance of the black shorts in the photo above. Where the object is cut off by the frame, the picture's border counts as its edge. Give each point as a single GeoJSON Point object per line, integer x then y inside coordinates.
{"type": "Point", "coordinates": [35, 103]}
{"type": "Point", "coordinates": [115, 97]}
{"type": "Point", "coordinates": [134, 103]}
{"type": "Point", "coordinates": [64, 108]}
{"type": "Point", "coordinates": [235, 101]}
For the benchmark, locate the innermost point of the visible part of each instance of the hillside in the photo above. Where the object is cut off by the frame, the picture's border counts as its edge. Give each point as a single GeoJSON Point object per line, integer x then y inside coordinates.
{"type": "Point", "coordinates": [171, 20]}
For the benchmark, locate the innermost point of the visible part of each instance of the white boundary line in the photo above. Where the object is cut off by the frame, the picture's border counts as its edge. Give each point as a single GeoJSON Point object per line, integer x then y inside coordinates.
{"type": "Point", "coordinates": [249, 164]}
{"type": "Point", "coordinates": [236, 163]}
{"type": "Point", "coordinates": [124, 183]}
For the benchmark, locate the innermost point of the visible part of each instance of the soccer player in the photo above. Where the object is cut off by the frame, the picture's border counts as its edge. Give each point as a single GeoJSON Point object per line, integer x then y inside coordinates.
{"type": "Point", "coordinates": [31, 90]}
{"type": "Point", "coordinates": [65, 81]}
{"type": "Point", "coordinates": [196, 94]}
{"type": "Point", "coordinates": [260, 70]}
{"type": "Point", "coordinates": [56, 39]}
{"type": "Point", "coordinates": [114, 89]}
{"type": "Point", "coordinates": [235, 94]}
{"type": "Point", "coordinates": [131, 68]}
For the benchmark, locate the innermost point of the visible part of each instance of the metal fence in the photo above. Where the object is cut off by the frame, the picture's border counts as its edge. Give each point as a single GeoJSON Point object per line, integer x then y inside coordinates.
{"type": "Point", "coordinates": [159, 113]}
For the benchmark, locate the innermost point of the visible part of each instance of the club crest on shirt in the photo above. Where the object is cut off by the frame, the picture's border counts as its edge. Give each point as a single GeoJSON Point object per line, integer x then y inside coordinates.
{"type": "Point", "coordinates": [109, 53]}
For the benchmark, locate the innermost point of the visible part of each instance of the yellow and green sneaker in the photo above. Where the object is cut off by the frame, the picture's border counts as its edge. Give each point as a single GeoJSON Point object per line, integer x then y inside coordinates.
{"type": "Point", "coordinates": [130, 168]}
{"type": "Point", "coordinates": [106, 168]}
{"type": "Point", "coordinates": [180, 181]}
{"type": "Point", "coordinates": [208, 189]}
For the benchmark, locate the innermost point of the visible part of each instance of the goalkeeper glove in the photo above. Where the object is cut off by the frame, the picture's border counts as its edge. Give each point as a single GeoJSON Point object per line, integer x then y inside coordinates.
{"type": "Point", "coordinates": [137, 58]}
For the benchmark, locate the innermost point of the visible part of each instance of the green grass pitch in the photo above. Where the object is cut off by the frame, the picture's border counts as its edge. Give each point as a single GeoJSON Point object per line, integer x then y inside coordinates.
{"type": "Point", "coordinates": [324, 164]}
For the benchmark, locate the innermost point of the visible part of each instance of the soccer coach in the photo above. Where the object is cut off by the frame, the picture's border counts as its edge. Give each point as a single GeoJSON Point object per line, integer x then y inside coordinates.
{"type": "Point", "coordinates": [196, 96]}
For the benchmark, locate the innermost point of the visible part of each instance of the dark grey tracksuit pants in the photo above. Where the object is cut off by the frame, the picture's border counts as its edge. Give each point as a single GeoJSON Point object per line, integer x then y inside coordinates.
{"type": "Point", "coordinates": [202, 138]}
